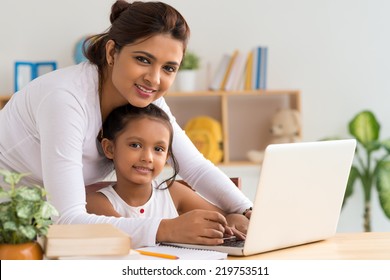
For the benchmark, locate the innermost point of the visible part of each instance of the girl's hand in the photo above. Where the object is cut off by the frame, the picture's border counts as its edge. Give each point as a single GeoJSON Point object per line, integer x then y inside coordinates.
{"type": "Point", "coordinates": [194, 227]}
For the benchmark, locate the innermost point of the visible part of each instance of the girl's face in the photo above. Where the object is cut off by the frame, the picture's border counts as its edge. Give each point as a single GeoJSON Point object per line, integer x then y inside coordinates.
{"type": "Point", "coordinates": [144, 71]}
{"type": "Point", "coordinates": [140, 151]}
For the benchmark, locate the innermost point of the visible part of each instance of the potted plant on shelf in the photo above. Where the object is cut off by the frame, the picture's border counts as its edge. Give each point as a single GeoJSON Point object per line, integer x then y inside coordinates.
{"type": "Point", "coordinates": [369, 170]}
{"type": "Point", "coordinates": [24, 216]}
{"type": "Point", "coordinates": [186, 76]}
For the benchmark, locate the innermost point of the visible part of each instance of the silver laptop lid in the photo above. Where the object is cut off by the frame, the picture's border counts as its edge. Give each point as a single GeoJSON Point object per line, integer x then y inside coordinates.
{"type": "Point", "coordinates": [300, 194]}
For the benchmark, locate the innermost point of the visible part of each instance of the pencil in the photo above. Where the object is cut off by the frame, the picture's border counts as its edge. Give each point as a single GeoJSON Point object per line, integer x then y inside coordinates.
{"type": "Point", "coordinates": [158, 255]}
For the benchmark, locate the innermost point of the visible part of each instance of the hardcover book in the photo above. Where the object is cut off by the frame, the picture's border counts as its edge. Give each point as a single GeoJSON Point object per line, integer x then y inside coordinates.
{"type": "Point", "coordinates": [85, 240]}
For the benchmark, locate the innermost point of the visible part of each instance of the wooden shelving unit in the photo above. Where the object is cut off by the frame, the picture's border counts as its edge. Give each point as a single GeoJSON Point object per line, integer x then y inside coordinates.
{"type": "Point", "coordinates": [245, 116]}
{"type": "Point", "coordinates": [3, 100]}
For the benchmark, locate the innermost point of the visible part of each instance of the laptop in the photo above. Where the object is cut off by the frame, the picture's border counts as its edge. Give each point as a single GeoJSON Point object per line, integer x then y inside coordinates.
{"type": "Point", "coordinates": [298, 198]}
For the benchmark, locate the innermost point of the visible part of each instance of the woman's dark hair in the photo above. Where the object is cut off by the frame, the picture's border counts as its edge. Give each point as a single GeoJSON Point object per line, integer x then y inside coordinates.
{"type": "Point", "coordinates": [121, 116]}
{"type": "Point", "coordinates": [133, 21]}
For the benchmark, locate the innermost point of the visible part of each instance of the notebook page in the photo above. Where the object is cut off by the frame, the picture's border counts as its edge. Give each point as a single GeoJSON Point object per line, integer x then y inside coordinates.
{"type": "Point", "coordinates": [185, 253]}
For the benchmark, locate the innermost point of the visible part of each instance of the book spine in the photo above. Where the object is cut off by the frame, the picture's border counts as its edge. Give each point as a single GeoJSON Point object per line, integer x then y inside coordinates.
{"type": "Point", "coordinates": [228, 70]}
{"type": "Point", "coordinates": [248, 71]}
{"type": "Point", "coordinates": [263, 78]}
{"type": "Point", "coordinates": [220, 72]}
{"type": "Point", "coordinates": [237, 72]}
{"type": "Point", "coordinates": [254, 68]}
{"type": "Point", "coordinates": [258, 68]}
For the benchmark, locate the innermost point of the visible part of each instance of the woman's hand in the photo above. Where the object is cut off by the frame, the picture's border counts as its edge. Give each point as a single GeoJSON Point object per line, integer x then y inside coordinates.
{"type": "Point", "coordinates": [238, 224]}
{"type": "Point", "coordinates": [248, 213]}
{"type": "Point", "coordinates": [195, 227]}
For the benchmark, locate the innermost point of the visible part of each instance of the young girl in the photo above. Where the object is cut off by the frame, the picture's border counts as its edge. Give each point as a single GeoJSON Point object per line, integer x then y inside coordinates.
{"type": "Point", "coordinates": [139, 142]}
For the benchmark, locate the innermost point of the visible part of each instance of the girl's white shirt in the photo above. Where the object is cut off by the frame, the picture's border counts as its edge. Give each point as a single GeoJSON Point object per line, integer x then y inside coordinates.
{"type": "Point", "coordinates": [160, 203]}
{"type": "Point", "coordinates": [48, 129]}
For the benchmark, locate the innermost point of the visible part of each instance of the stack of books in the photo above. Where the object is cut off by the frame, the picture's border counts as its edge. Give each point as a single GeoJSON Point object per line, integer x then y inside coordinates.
{"type": "Point", "coordinates": [106, 242]}
{"type": "Point", "coordinates": [85, 240]}
{"type": "Point", "coordinates": [242, 71]}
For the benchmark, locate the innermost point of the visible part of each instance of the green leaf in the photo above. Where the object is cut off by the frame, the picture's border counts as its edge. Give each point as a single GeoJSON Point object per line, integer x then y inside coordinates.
{"type": "Point", "coordinates": [10, 225]}
{"type": "Point", "coordinates": [386, 145]}
{"type": "Point", "coordinates": [28, 231]}
{"type": "Point", "coordinates": [353, 175]}
{"type": "Point", "coordinates": [190, 61]}
{"type": "Point", "coordinates": [5, 210]}
{"type": "Point", "coordinates": [47, 210]}
{"type": "Point", "coordinates": [365, 128]}
{"type": "Point", "coordinates": [25, 211]}
{"type": "Point", "coordinates": [383, 186]}
{"type": "Point", "coordinates": [10, 177]}
{"type": "Point", "coordinates": [4, 194]}
{"type": "Point", "coordinates": [29, 193]}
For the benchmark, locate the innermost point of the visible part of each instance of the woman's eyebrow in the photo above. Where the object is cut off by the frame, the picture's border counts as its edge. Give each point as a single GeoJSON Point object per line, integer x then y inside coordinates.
{"type": "Point", "coordinates": [149, 55]}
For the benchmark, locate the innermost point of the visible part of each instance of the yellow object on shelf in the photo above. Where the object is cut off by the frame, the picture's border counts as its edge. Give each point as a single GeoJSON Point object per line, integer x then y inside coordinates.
{"type": "Point", "coordinates": [206, 134]}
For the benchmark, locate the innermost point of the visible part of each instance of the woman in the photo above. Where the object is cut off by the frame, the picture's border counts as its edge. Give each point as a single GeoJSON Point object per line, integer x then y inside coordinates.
{"type": "Point", "coordinates": [50, 128]}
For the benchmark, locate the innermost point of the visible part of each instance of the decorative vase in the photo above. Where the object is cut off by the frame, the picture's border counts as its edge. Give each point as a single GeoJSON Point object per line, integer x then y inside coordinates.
{"type": "Point", "coordinates": [186, 80]}
{"type": "Point", "coordinates": [24, 251]}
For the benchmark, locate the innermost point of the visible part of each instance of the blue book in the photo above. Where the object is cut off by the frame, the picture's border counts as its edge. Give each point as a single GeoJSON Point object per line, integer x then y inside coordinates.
{"type": "Point", "coordinates": [260, 59]}
{"type": "Point", "coordinates": [263, 68]}
{"type": "Point", "coordinates": [258, 67]}
{"type": "Point", "coordinates": [254, 68]}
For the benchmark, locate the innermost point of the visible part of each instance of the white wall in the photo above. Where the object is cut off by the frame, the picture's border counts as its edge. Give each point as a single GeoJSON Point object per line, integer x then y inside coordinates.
{"type": "Point", "coordinates": [335, 51]}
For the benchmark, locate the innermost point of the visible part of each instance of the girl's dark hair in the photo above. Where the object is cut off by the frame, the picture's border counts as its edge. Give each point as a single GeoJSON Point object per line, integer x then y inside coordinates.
{"type": "Point", "coordinates": [133, 21]}
{"type": "Point", "coordinates": [121, 116]}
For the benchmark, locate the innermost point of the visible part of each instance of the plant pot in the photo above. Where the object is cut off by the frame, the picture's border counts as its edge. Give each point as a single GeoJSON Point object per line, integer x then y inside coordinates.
{"type": "Point", "coordinates": [186, 80]}
{"type": "Point", "coordinates": [24, 251]}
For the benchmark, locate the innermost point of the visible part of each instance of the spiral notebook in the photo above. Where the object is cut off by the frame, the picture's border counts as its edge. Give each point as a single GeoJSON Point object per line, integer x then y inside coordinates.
{"type": "Point", "coordinates": [182, 253]}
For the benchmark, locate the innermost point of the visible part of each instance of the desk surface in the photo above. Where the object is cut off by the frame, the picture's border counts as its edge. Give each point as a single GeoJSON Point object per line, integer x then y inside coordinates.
{"type": "Point", "coordinates": [347, 246]}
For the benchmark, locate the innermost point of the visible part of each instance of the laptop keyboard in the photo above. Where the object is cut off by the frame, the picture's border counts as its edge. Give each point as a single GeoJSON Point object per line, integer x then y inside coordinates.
{"type": "Point", "coordinates": [232, 242]}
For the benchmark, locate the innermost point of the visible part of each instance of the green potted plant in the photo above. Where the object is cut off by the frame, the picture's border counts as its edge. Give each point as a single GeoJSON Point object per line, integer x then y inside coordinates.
{"type": "Point", "coordinates": [372, 164]}
{"type": "Point", "coordinates": [24, 216]}
{"type": "Point", "coordinates": [186, 77]}
{"type": "Point", "coordinates": [191, 61]}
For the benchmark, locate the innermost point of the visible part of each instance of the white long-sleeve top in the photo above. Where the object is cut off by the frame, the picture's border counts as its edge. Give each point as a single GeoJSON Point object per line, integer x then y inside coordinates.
{"type": "Point", "coordinates": [49, 129]}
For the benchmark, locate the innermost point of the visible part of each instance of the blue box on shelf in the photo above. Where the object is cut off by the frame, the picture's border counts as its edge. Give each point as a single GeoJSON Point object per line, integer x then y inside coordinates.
{"type": "Point", "coordinates": [26, 71]}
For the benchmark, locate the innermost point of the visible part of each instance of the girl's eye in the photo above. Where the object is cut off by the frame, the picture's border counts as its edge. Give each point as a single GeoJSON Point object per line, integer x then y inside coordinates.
{"type": "Point", "coordinates": [143, 59]}
{"type": "Point", "coordinates": [159, 149]}
{"type": "Point", "coordinates": [135, 145]}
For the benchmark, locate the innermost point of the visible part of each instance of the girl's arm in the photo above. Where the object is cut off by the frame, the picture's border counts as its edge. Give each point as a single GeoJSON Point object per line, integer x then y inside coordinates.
{"type": "Point", "coordinates": [186, 200]}
{"type": "Point", "coordinates": [98, 203]}
{"type": "Point", "coordinates": [204, 227]}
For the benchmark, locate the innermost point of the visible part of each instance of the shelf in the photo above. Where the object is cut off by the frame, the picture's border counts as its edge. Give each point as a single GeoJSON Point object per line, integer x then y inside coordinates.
{"type": "Point", "coordinates": [245, 116]}
{"type": "Point", "coordinates": [4, 99]}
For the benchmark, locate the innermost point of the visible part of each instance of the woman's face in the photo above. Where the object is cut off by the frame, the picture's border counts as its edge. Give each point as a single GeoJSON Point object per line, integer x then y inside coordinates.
{"type": "Point", "coordinates": [144, 71]}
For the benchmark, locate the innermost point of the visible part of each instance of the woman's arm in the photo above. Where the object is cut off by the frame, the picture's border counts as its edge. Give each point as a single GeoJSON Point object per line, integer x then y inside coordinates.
{"type": "Point", "coordinates": [203, 175]}
{"type": "Point", "coordinates": [62, 125]}
{"type": "Point", "coordinates": [186, 200]}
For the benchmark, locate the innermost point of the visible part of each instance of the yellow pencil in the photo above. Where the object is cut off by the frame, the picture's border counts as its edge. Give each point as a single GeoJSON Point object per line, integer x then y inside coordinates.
{"type": "Point", "coordinates": [158, 255]}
